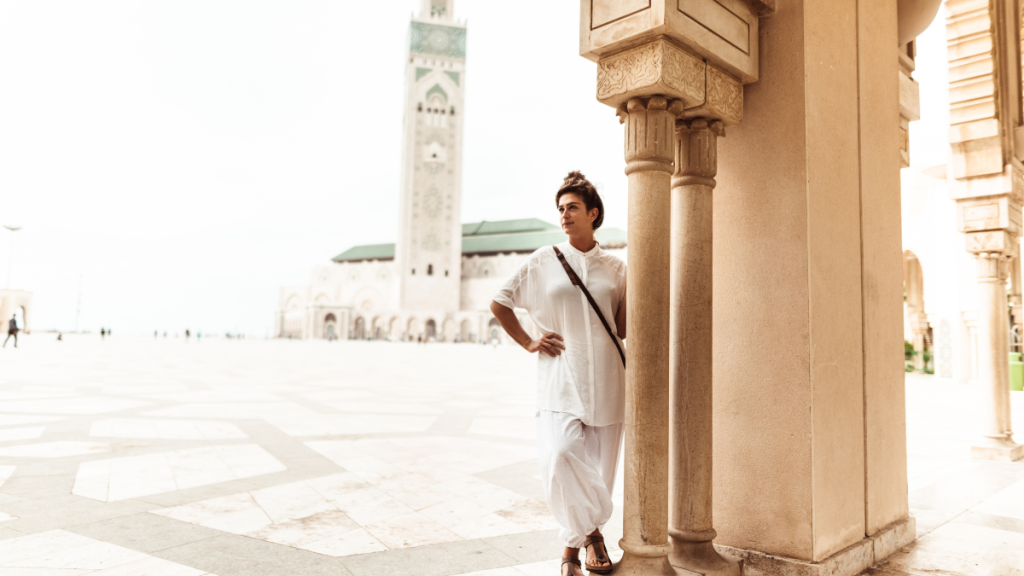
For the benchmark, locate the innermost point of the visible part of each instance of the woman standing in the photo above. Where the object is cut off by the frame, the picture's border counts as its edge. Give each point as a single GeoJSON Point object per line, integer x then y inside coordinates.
{"type": "Point", "coordinates": [580, 371]}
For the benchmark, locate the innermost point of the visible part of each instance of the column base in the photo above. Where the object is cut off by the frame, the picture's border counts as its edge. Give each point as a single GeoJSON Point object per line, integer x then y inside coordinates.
{"type": "Point", "coordinates": [633, 565]}
{"type": "Point", "coordinates": [847, 562]}
{"type": "Point", "coordinates": [644, 560]}
{"type": "Point", "coordinates": [1002, 450]}
{"type": "Point", "coordinates": [701, 559]}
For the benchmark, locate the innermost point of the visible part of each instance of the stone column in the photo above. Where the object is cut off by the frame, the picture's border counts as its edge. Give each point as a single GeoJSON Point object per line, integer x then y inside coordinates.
{"type": "Point", "coordinates": [649, 144]}
{"type": "Point", "coordinates": [993, 368]}
{"type": "Point", "coordinates": [690, 389]}
{"type": "Point", "coordinates": [987, 182]}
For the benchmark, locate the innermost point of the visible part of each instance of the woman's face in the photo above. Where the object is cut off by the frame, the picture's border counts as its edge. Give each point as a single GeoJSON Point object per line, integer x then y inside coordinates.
{"type": "Point", "coordinates": [575, 219]}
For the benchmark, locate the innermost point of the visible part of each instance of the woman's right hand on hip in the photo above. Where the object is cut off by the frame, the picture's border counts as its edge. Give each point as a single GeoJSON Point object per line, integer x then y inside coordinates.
{"type": "Point", "coordinates": [550, 344]}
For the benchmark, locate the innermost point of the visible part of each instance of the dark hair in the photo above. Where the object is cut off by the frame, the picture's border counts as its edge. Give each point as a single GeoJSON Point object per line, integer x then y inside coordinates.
{"type": "Point", "coordinates": [576, 183]}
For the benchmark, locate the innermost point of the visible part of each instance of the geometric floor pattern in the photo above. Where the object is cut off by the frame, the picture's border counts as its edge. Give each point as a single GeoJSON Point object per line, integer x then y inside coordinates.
{"type": "Point", "coordinates": [143, 457]}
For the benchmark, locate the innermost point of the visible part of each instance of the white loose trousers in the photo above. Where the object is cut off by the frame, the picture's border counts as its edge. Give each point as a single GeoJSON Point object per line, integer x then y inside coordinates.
{"type": "Point", "coordinates": [577, 466]}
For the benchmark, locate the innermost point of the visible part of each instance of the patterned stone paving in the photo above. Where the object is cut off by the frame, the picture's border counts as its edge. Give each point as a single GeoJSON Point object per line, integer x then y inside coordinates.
{"type": "Point", "coordinates": [139, 457]}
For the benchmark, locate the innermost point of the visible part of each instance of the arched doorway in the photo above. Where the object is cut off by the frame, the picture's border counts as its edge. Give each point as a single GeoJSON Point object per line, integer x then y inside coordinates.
{"type": "Point", "coordinates": [464, 331]}
{"type": "Point", "coordinates": [918, 332]}
{"type": "Point", "coordinates": [330, 327]}
{"type": "Point", "coordinates": [494, 330]}
{"type": "Point", "coordinates": [430, 330]}
{"type": "Point", "coordinates": [412, 329]}
{"type": "Point", "coordinates": [359, 328]}
{"type": "Point", "coordinates": [394, 328]}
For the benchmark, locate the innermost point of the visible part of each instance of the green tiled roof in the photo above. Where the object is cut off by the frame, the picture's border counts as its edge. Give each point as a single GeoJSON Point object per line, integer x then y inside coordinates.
{"type": "Point", "coordinates": [506, 227]}
{"type": "Point", "coordinates": [367, 252]}
{"type": "Point", "coordinates": [530, 241]}
{"type": "Point", "coordinates": [524, 235]}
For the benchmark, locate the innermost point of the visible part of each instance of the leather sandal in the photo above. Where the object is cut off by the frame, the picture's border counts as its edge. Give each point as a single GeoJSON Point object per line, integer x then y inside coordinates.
{"type": "Point", "coordinates": [601, 554]}
{"type": "Point", "coordinates": [565, 561]}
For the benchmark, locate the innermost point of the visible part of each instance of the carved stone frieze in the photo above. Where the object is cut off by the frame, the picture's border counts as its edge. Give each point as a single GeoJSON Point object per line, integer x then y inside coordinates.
{"type": "Point", "coordinates": [654, 68]}
{"type": "Point", "coordinates": [992, 241]}
{"type": "Point", "coordinates": [662, 68]}
{"type": "Point", "coordinates": [723, 99]}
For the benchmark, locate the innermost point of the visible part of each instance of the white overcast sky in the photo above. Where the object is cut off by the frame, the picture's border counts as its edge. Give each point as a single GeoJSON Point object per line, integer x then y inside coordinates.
{"type": "Point", "coordinates": [180, 160]}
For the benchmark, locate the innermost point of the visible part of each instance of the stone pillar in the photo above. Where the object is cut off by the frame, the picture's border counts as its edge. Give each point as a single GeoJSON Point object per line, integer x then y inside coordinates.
{"type": "Point", "coordinates": [988, 185]}
{"type": "Point", "coordinates": [649, 146]}
{"type": "Point", "coordinates": [690, 417]}
{"type": "Point", "coordinates": [993, 368]}
{"type": "Point", "coordinates": [656, 63]}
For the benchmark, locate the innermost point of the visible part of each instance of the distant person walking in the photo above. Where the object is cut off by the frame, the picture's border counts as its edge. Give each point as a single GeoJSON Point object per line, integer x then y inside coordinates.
{"type": "Point", "coordinates": [576, 295]}
{"type": "Point", "coordinates": [103, 333]}
{"type": "Point", "coordinates": [187, 334]}
{"type": "Point", "coordinates": [12, 330]}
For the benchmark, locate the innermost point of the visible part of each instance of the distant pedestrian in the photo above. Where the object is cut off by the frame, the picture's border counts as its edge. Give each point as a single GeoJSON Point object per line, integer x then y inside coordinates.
{"type": "Point", "coordinates": [187, 334]}
{"type": "Point", "coordinates": [12, 330]}
{"type": "Point", "coordinates": [198, 336]}
{"type": "Point", "coordinates": [103, 333]}
{"type": "Point", "coordinates": [165, 334]}
{"type": "Point", "coordinates": [155, 334]}
{"type": "Point", "coordinates": [60, 337]}
{"type": "Point", "coordinates": [108, 331]}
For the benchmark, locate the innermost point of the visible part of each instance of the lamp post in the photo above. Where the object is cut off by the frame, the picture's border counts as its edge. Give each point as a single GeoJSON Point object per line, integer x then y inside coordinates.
{"type": "Point", "coordinates": [10, 258]}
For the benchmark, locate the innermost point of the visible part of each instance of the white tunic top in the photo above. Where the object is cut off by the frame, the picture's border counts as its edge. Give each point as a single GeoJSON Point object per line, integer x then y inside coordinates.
{"type": "Point", "coordinates": [587, 380]}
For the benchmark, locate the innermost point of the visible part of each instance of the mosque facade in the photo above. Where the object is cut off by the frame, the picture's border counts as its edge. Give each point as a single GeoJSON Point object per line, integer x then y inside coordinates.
{"type": "Point", "coordinates": [437, 280]}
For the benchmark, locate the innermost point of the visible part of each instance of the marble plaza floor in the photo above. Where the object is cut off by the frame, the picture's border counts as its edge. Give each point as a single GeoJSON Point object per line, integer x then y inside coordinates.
{"type": "Point", "coordinates": [135, 457]}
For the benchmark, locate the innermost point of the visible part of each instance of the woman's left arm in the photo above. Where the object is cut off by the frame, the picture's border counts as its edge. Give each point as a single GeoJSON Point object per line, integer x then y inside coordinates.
{"type": "Point", "coordinates": [620, 317]}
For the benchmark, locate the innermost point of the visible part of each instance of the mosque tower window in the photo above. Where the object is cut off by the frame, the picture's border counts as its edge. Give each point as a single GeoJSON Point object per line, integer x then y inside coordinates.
{"type": "Point", "coordinates": [419, 107]}
{"type": "Point", "coordinates": [430, 269]}
{"type": "Point", "coordinates": [413, 271]}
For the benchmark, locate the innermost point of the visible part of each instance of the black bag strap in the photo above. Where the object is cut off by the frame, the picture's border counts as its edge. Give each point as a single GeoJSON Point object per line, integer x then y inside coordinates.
{"type": "Point", "coordinates": [577, 282]}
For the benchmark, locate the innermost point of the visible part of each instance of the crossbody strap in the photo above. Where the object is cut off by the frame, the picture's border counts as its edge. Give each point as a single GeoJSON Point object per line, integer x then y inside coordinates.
{"type": "Point", "coordinates": [577, 282]}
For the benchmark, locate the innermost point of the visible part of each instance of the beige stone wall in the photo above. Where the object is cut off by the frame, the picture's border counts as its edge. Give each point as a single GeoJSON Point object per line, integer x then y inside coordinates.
{"type": "Point", "coordinates": [808, 266]}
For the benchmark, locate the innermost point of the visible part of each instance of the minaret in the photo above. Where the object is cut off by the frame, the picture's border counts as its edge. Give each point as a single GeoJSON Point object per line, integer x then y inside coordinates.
{"type": "Point", "coordinates": [428, 254]}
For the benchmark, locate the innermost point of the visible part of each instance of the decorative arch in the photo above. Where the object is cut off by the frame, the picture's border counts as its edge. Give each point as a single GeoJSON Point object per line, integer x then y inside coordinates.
{"type": "Point", "coordinates": [430, 329]}
{"type": "Point", "coordinates": [436, 92]}
{"type": "Point", "coordinates": [914, 312]}
{"type": "Point", "coordinates": [448, 330]}
{"type": "Point", "coordinates": [367, 299]}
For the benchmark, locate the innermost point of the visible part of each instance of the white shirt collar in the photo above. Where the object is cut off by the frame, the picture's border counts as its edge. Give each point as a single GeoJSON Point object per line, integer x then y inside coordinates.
{"type": "Point", "coordinates": [568, 247]}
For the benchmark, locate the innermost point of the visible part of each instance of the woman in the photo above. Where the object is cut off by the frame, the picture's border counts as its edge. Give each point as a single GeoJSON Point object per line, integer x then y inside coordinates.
{"type": "Point", "coordinates": [580, 375]}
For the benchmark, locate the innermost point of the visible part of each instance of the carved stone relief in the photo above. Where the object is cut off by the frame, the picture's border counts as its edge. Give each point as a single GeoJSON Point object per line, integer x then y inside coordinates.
{"type": "Point", "coordinates": [654, 68]}
{"type": "Point", "coordinates": [664, 69]}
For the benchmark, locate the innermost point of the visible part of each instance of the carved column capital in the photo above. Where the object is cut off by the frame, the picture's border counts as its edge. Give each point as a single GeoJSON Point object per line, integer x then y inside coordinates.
{"type": "Point", "coordinates": [697, 152]}
{"type": "Point", "coordinates": [661, 67]}
{"type": "Point", "coordinates": [650, 133]}
{"type": "Point", "coordinates": [993, 266]}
